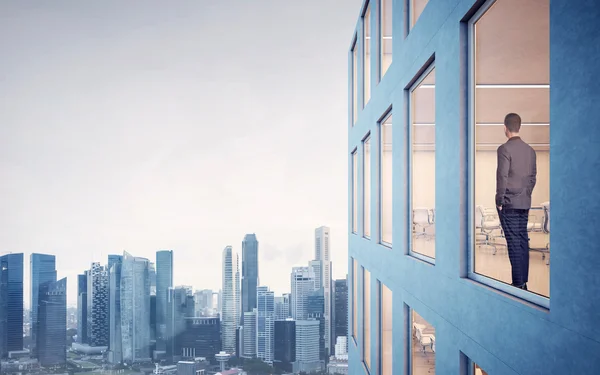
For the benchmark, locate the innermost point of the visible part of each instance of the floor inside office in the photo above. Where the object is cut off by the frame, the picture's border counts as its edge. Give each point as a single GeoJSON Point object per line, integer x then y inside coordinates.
{"type": "Point", "coordinates": [497, 265]}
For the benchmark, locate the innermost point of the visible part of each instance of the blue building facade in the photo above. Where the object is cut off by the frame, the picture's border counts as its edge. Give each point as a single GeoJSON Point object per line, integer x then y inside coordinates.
{"type": "Point", "coordinates": [43, 270]}
{"type": "Point", "coordinates": [52, 317]}
{"type": "Point", "coordinates": [249, 273]}
{"type": "Point", "coordinates": [429, 278]}
{"type": "Point", "coordinates": [11, 303]}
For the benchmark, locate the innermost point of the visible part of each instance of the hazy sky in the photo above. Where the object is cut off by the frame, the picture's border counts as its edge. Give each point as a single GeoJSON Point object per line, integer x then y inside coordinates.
{"type": "Point", "coordinates": [147, 125]}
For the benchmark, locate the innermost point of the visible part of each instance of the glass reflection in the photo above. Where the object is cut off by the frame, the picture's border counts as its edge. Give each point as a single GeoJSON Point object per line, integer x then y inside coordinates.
{"type": "Point", "coordinates": [386, 35]}
{"type": "Point", "coordinates": [367, 55]}
{"type": "Point", "coordinates": [416, 8]}
{"type": "Point", "coordinates": [423, 346]}
{"type": "Point", "coordinates": [385, 181]}
{"type": "Point", "coordinates": [386, 330]}
{"type": "Point", "coordinates": [354, 298]}
{"type": "Point", "coordinates": [367, 317]}
{"type": "Point", "coordinates": [354, 192]}
{"type": "Point", "coordinates": [422, 166]}
{"type": "Point", "coordinates": [354, 84]}
{"type": "Point", "coordinates": [478, 370]}
{"type": "Point", "coordinates": [511, 75]}
{"type": "Point", "coordinates": [367, 187]}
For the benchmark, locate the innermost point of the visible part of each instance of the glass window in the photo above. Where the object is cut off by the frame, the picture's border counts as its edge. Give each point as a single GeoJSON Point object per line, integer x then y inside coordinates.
{"type": "Point", "coordinates": [354, 192]}
{"type": "Point", "coordinates": [416, 8]}
{"type": "Point", "coordinates": [367, 55]}
{"type": "Point", "coordinates": [386, 331]}
{"type": "Point", "coordinates": [354, 298]}
{"type": "Point", "coordinates": [385, 180]}
{"type": "Point", "coordinates": [422, 165]}
{"type": "Point", "coordinates": [510, 75]}
{"type": "Point", "coordinates": [478, 370]}
{"type": "Point", "coordinates": [367, 187]}
{"type": "Point", "coordinates": [354, 83]}
{"type": "Point", "coordinates": [423, 346]}
{"type": "Point", "coordinates": [386, 35]}
{"type": "Point", "coordinates": [367, 318]}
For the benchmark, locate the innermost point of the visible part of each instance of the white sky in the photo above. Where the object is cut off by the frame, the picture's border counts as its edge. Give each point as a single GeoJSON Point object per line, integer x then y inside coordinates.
{"type": "Point", "coordinates": [184, 125]}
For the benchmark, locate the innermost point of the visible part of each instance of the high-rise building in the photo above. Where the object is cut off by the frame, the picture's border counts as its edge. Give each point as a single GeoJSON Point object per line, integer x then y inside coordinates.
{"type": "Point", "coordinates": [42, 269]}
{"type": "Point", "coordinates": [316, 267]}
{"type": "Point", "coordinates": [316, 311]}
{"type": "Point", "coordinates": [179, 307]}
{"type": "Point", "coordinates": [135, 309]}
{"type": "Point", "coordinates": [307, 346]}
{"type": "Point", "coordinates": [153, 318]}
{"type": "Point", "coordinates": [265, 318]}
{"type": "Point", "coordinates": [52, 318]}
{"type": "Point", "coordinates": [97, 306]}
{"type": "Point", "coordinates": [284, 348]}
{"type": "Point", "coordinates": [230, 300]}
{"type": "Point", "coordinates": [204, 303]}
{"type": "Point", "coordinates": [115, 345]}
{"type": "Point", "coordinates": [323, 254]}
{"type": "Point", "coordinates": [302, 284]}
{"type": "Point", "coordinates": [282, 310]}
{"type": "Point", "coordinates": [164, 281]}
{"type": "Point", "coordinates": [340, 323]}
{"type": "Point", "coordinates": [11, 303]}
{"type": "Point", "coordinates": [82, 320]}
{"type": "Point", "coordinates": [249, 272]}
{"type": "Point", "coordinates": [152, 268]}
{"type": "Point", "coordinates": [201, 337]}
{"type": "Point", "coordinates": [249, 335]}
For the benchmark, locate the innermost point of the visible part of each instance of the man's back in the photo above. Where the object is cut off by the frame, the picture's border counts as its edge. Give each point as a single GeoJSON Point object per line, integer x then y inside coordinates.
{"type": "Point", "coordinates": [516, 174]}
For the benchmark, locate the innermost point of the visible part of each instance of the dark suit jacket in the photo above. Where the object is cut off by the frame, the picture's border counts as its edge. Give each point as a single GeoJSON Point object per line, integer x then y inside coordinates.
{"type": "Point", "coordinates": [516, 174]}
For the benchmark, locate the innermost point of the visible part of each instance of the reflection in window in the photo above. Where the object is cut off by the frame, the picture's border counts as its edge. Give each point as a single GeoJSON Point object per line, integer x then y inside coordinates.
{"type": "Point", "coordinates": [386, 35]}
{"type": "Point", "coordinates": [385, 181]}
{"type": "Point", "coordinates": [386, 331]}
{"type": "Point", "coordinates": [354, 83]}
{"type": "Point", "coordinates": [423, 346]}
{"type": "Point", "coordinates": [367, 317]}
{"type": "Point", "coordinates": [422, 165]}
{"type": "Point", "coordinates": [511, 75]}
{"type": "Point", "coordinates": [367, 55]}
{"type": "Point", "coordinates": [478, 370]}
{"type": "Point", "coordinates": [354, 298]}
{"type": "Point", "coordinates": [416, 8]}
{"type": "Point", "coordinates": [367, 187]}
{"type": "Point", "coordinates": [354, 191]}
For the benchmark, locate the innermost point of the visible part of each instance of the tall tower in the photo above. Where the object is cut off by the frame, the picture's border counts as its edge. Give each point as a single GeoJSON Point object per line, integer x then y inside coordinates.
{"type": "Point", "coordinates": [265, 319]}
{"type": "Point", "coordinates": [302, 284]}
{"type": "Point", "coordinates": [42, 270]}
{"type": "Point", "coordinates": [230, 299]}
{"type": "Point", "coordinates": [82, 309]}
{"type": "Point", "coordinates": [323, 254]}
{"type": "Point", "coordinates": [164, 281]}
{"type": "Point", "coordinates": [11, 303]}
{"type": "Point", "coordinates": [249, 273]}
{"type": "Point", "coordinates": [115, 355]}
{"type": "Point", "coordinates": [98, 320]}
{"type": "Point", "coordinates": [52, 319]}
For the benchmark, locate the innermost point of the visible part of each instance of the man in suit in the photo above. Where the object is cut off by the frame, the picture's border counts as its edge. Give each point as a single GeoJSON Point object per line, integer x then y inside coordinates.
{"type": "Point", "coordinates": [515, 180]}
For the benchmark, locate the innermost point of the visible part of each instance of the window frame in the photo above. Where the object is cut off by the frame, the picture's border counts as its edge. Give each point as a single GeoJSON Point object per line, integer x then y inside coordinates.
{"type": "Point", "coordinates": [386, 115]}
{"type": "Point", "coordinates": [366, 200]}
{"type": "Point", "coordinates": [380, 330]}
{"type": "Point", "coordinates": [354, 74]}
{"type": "Point", "coordinates": [354, 300]}
{"type": "Point", "coordinates": [471, 129]}
{"type": "Point", "coordinates": [366, 52]}
{"type": "Point", "coordinates": [430, 66]}
{"type": "Point", "coordinates": [380, 48]}
{"type": "Point", "coordinates": [366, 350]}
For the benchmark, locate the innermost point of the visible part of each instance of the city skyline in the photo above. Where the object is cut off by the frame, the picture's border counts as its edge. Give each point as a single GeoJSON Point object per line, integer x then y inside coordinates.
{"type": "Point", "coordinates": [126, 148]}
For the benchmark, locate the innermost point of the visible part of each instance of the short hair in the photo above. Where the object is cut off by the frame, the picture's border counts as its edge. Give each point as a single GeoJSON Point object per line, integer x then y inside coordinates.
{"type": "Point", "coordinates": [512, 121]}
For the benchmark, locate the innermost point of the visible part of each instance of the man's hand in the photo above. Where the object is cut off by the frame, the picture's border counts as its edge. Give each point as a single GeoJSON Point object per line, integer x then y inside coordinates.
{"type": "Point", "coordinates": [499, 208]}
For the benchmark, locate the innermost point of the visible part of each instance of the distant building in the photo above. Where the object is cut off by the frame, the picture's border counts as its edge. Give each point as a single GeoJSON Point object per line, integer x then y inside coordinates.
{"type": "Point", "coordinates": [230, 300]}
{"type": "Point", "coordinates": [249, 273]}
{"type": "Point", "coordinates": [284, 351]}
{"type": "Point", "coordinates": [264, 323]}
{"type": "Point", "coordinates": [42, 270]}
{"type": "Point", "coordinates": [302, 283]}
{"type": "Point", "coordinates": [115, 346]}
{"type": "Point", "coordinates": [177, 310]}
{"type": "Point", "coordinates": [82, 320]}
{"type": "Point", "coordinates": [97, 305]}
{"type": "Point", "coordinates": [164, 281]}
{"type": "Point", "coordinates": [203, 300]}
{"type": "Point", "coordinates": [323, 254]}
{"type": "Point", "coordinates": [307, 346]}
{"type": "Point", "coordinates": [201, 338]}
{"type": "Point", "coordinates": [282, 307]}
{"type": "Point", "coordinates": [249, 335]}
{"type": "Point", "coordinates": [195, 367]}
{"type": "Point", "coordinates": [11, 303]}
{"type": "Point", "coordinates": [52, 318]}
{"type": "Point", "coordinates": [316, 311]}
{"type": "Point", "coordinates": [340, 321]}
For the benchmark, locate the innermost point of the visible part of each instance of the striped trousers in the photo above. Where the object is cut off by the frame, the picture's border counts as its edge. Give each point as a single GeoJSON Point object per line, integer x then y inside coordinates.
{"type": "Point", "coordinates": [514, 225]}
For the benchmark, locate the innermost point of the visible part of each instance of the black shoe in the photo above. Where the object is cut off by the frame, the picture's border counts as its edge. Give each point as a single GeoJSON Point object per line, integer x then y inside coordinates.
{"type": "Point", "coordinates": [524, 286]}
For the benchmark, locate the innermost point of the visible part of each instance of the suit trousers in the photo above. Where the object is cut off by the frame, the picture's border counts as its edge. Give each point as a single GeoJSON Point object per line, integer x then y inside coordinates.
{"type": "Point", "coordinates": [514, 225]}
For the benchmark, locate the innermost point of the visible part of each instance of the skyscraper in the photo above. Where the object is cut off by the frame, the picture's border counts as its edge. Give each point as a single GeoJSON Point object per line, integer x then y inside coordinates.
{"type": "Point", "coordinates": [249, 272]}
{"type": "Point", "coordinates": [249, 335]}
{"type": "Point", "coordinates": [340, 325]}
{"type": "Point", "coordinates": [284, 352]}
{"type": "Point", "coordinates": [164, 281]}
{"type": "Point", "coordinates": [115, 346]}
{"type": "Point", "coordinates": [179, 306]}
{"type": "Point", "coordinates": [265, 317]}
{"type": "Point", "coordinates": [307, 346]}
{"type": "Point", "coordinates": [204, 302]}
{"type": "Point", "coordinates": [42, 270]}
{"type": "Point", "coordinates": [302, 284]}
{"type": "Point", "coordinates": [11, 303]}
{"type": "Point", "coordinates": [135, 309]}
{"type": "Point", "coordinates": [97, 306]}
{"type": "Point", "coordinates": [230, 299]}
{"type": "Point", "coordinates": [316, 311]}
{"type": "Point", "coordinates": [52, 319]}
{"type": "Point", "coordinates": [201, 337]}
{"type": "Point", "coordinates": [323, 254]}
{"type": "Point", "coordinates": [82, 320]}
